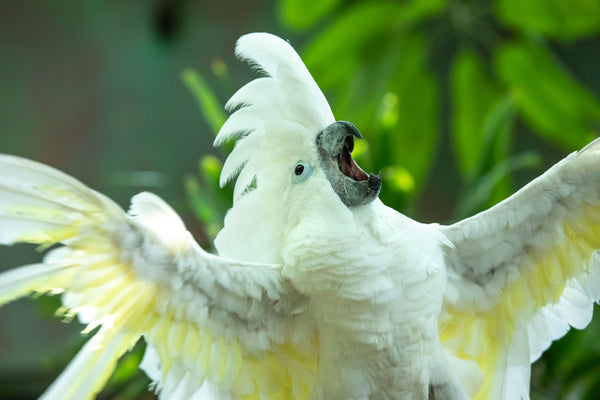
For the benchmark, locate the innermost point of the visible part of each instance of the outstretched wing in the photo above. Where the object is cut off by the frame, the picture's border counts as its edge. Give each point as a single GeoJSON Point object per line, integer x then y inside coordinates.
{"type": "Point", "coordinates": [213, 325]}
{"type": "Point", "coordinates": [522, 272]}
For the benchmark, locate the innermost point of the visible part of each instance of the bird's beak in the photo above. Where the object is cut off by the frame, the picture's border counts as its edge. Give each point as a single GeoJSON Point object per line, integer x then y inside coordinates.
{"type": "Point", "coordinates": [353, 185]}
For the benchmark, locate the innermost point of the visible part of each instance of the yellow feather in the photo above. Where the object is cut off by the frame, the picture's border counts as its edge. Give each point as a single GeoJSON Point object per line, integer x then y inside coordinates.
{"type": "Point", "coordinates": [112, 295]}
{"type": "Point", "coordinates": [159, 337]}
{"type": "Point", "coordinates": [203, 360]}
{"type": "Point", "coordinates": [553, 270]}
{"type": "Point", "coordinates": [97, 275]}
{"type": "Point", "coordinates": [218, 359]}
{"type": "Point", "coordinates": [191, 344]}
{"type": "Point", "coordinates": [234, 365]}
{"type": "Point", "coordinates": [176, 337]}
{"type": "Point", "coordinates": [48, 237]}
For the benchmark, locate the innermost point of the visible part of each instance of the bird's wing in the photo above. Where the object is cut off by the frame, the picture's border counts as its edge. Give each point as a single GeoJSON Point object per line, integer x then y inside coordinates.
{"type": "Point", "coordinates": [213, 325]}
{"type": "Point", "coordinates": [521, 272]}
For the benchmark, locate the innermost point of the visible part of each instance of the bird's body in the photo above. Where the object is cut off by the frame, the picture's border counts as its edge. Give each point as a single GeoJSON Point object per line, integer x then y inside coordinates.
{"type": "Point", "coordinates": [318, 291]}
{"type": "Point", "coordinates": [375, 305]}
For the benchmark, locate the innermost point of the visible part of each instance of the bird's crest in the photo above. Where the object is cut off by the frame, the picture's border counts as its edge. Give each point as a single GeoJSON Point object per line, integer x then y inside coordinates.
{"type": "Point", "coordinates": [270, 110]}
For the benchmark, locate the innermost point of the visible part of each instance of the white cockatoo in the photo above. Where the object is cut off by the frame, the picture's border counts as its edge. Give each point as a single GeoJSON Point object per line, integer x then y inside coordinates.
{"type": "Point", "coordinates": [318, 290]}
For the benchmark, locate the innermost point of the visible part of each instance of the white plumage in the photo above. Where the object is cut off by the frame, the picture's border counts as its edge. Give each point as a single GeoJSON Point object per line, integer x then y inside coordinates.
{"type": "Point", "coordinates": [319, 290]}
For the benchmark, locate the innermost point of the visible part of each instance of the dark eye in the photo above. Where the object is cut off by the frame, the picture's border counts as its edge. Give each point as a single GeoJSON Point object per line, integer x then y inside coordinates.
{"type": "Point", "coordinates": [302, 171]}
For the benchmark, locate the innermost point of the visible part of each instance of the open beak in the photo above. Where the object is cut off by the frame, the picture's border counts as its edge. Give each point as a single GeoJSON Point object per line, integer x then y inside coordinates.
{"type": "Point", "coordinates": [346, 163]}
{"type": "Point", "coordinates": [353, 185]}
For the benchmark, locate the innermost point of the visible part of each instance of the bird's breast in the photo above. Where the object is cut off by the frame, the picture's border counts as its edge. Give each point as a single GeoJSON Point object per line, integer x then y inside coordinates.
{"type": "Point", "coordinates": [375, 301]}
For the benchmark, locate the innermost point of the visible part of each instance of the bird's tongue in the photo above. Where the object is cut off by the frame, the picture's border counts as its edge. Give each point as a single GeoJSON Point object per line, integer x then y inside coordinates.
{"type": "Point", "coordinates": [347, 164]}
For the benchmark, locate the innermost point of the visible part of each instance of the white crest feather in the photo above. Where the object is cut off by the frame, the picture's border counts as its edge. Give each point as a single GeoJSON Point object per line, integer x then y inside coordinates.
{"type": "Point", "coordinates": [288, 95]}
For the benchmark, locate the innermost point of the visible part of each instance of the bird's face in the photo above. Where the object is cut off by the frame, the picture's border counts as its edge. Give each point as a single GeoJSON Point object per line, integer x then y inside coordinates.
{"type": "Point", "coordinates": [326, 189]}
{"type": "Point", "coordinates": [324, 174]}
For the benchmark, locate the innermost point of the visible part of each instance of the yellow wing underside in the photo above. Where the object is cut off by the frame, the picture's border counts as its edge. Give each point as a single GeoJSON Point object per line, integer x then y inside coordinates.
{"type": "Point", "coordinates": [484, 336]}
{"type": "Point", "coordinates": [106, 291]}
{"type": "Point", "coordinates": [284, 373]}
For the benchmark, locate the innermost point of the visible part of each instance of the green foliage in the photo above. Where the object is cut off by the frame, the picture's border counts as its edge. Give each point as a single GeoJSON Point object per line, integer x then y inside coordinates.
{"type": "Point", "coordinates": [557, 19]}
{"type": "Point", "coordinates": [382, 67]}
{"type": "Point", "coordinates": [128, 381]}
{"type": "Point", "coordinates": [207, 200]}
{"type": "Point", "coordinates": [210, 107]}
{"type": "Point", "coordinates": [473, 94]}
{"type": "Point", "coordinates": [550, 99]}
{"type": "Point", "coordinates": [298, 16]}
{"type": "Point", "coordinates": [482, 122]}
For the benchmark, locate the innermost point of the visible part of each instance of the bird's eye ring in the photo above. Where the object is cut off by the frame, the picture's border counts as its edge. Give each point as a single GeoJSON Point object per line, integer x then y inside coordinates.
{"type": "Point", "coordinates": [302, 171]}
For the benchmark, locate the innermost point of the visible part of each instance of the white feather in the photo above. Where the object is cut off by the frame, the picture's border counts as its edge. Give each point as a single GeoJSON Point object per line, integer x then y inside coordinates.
{"type": "Point", "coordinates": [243, 121]}
{"type": "Point", "coordinates": [39, 277]}
{"type": "Point", "coordinates": [241, 153]}
{"type": "Point", "coordinates": [89, 369]}
{"type": "Point", "coordinates": [248, 93]}
{"type": "Point", "coordinates": [288, 93]}
{"type": "Point", "coordinates": [518, 370]}
{"type": "Point", "coordinates": [544, 327]}
{"type": "Point", "coordinates": [19, 171]}
{"type": "Point", "coordinates": [152, 212]}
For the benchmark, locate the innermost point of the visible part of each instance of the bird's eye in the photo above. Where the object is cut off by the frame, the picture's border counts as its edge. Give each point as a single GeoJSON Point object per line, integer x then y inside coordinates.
{"type": "Point", "coordinates": [302, 171]}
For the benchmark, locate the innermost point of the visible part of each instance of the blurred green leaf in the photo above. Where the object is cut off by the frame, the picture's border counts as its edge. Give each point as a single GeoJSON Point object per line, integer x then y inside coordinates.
{"type": "Point", "coordinates": [202, 206]}
{"type": "Point", "coordinates": [478, 196]}
{"type": "Point", "coordinates": [549, 98]}
{"type": "Point", "coordinates": [473, 94]}
{"type": "Point", "coordinates": [497, 134]}
{"type": "Point", "coordinates": [399, 179]}
{"type": "Point", "coordinates": [205, 197]}
{"type": "Point", "coordinates": [210, 170]}
{"type": "Point", "coordinates": [128, 365]}
{"type": "Point", "coordinates": [211, 108]}
{"type": "Point", "coordinates": [554, 18]}
{"type": "Point", "coordinates": [128, 381]}
{"type": "Point", "coordinates": [47, 304]}
{"type": "Point", "coordinates": [301, 14]}
{"type": "Point", "coordinates": [414, 137]}
{"type": "Point", "coordinates": [489, 181]}
{"type": "Point", "coordinates": [406, 127]}
{"type": "Point", "coordinates": [335, 53]}
{"type": "Point", "coordinates": [497, 124]}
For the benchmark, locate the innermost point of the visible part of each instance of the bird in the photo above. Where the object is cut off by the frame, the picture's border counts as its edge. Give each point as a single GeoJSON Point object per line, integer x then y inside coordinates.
{"type": "Point", "coordinates": [316, 290]}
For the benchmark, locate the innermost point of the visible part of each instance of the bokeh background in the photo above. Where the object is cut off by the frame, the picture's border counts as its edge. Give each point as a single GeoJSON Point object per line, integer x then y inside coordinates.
{"type": "Point", "coordinates": [461, 103]}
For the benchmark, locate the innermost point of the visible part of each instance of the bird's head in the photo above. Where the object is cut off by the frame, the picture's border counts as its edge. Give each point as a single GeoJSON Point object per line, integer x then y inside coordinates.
{"type": "Point", "coordinates": [319, 176]}
{"type": "Point", "coordinates": [291, 155]}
